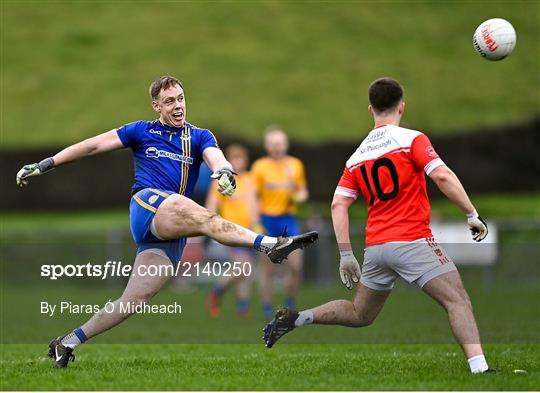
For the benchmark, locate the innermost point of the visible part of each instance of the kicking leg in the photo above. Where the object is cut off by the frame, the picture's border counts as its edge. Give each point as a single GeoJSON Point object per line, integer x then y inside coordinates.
{"type": "Point", "coordinates": [362, 311]}
{"type": "Point", "coordinates": [447, 289]}
{"type": "Point", "coordinates": [140, 289]}
{"type": "Point", "coordinates": [178, 216]}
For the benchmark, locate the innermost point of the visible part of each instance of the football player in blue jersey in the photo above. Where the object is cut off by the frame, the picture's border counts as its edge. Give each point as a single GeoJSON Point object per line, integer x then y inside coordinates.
{"type": "Point", "coordinates": [167, 154]}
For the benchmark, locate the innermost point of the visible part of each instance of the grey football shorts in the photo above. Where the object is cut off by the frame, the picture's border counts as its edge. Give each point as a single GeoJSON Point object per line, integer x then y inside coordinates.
{"type": "Point", "coordinates": [416, 262]}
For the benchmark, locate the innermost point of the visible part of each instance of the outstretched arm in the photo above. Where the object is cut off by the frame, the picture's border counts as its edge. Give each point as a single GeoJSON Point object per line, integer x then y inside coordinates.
{"type": "Point", "coordinates": [102, 143]}
{"type": "Point", "coordinates": [449, 184]}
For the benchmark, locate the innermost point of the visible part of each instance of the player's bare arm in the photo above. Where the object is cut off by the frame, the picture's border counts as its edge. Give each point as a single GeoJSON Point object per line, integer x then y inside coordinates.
{"type": "Point", "coordinates": [102, 143]}
{"type": "Point", "coordinates": [449, 184]}
{"type": "Point", "coordinates": [349, 269]}
{"type": "Point", "coordinates": [340, 220]}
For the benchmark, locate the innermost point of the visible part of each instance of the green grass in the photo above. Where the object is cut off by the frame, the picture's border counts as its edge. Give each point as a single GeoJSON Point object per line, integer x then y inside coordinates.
{"type": "Point", "coordinates": [251, 367]}
{"type": "Point", "coordinates": [80, 68]}
{"type": "Point", "coordinates": [409, 346]}
{"type": "Point", "coordinates": [506, 313]}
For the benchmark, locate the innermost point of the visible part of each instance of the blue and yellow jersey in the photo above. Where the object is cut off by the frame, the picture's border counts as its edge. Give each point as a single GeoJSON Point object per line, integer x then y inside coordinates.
{"type": "Point", "coordinates": [166, 157]}
{"type": "Point", "coordinates": [237, 207]}
{"type": "Point", "coordinates": [276, 182]}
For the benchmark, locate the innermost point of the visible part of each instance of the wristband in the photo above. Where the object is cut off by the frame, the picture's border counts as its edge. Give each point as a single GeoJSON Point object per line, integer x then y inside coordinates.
{"type": "Point", "coordinates": [46, 165]}
{"type": "Point", "coordinates": [473, 215]}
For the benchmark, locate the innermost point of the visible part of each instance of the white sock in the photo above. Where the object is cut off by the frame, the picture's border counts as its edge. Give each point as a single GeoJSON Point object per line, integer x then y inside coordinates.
{"type": "Point", "coordinates": [269, 241]}
{"type": "Point", "coordinates": [478, 364]}
{"type": "Point", "coordinates": [304, 318]}
{"type": "Point", "coordinates": [71, 340]}
{"type": "Point", "coordinates": [264, 243]}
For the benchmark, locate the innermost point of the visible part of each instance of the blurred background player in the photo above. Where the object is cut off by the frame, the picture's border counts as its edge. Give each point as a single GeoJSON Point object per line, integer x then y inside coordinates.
{"type": "Point", "coordinates": [281, 185]}
{"type": "Point", "coordinates": [388, 169]}
{"type": "Point", "coordinates": [240, 208]}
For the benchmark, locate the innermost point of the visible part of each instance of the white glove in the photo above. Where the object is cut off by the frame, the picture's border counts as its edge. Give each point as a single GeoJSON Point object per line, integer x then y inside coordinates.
{"type": "Point", "coordinates": [37, 169]}
{"type": "Point", "coordinates": [226, 182]}
{"type": "Point", "coordinates": [349, 269]}
{"type": "Point", "coordinates": [478, 227]}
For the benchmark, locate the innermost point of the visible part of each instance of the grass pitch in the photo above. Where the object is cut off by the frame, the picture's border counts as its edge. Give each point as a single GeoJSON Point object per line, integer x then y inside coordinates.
{"type": "Point", "coordinates": [392, 354]}
{"type": "Point", "coordinates": [252, 367]}
{"type": "Point", "coordinates": [409, 347]}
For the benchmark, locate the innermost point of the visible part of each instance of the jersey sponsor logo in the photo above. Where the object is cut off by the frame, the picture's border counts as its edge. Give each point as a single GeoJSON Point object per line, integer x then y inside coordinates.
{"type": "Point", "coordinates": [376, 135]}
{"type": "Point", "coordinates": [153, 152]}
{"type": "Point", "coordinates": [152, 199]}
{"type": "Point", "coordinates": [369, 148]}
{"type": "Point", "coordinates": [152, 131]}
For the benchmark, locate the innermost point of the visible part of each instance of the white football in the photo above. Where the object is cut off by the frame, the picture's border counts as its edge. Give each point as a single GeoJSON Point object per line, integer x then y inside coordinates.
{"type": "Point", "coordinates": [494, 39]}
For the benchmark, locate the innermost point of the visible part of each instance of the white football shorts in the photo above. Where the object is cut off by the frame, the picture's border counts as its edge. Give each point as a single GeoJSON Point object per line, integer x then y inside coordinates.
{"type": "Point", "coordinates": [416, 262]}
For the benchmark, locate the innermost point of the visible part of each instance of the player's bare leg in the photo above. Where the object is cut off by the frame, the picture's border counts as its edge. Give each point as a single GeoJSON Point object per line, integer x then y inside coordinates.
{"type": "Point", "coordinates": [360, 312]}
{"type": "Point", "coordinates": [140, 289]}
{"type": "Point", "coordinates": [293, 278]}
{"type": "Point", "coordinates": [447, 289]}
{"type": "Point", "coordinates": [178, 216]}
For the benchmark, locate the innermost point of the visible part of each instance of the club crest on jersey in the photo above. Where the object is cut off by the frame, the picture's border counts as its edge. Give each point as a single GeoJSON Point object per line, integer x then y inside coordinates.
{"type": "Point", "coordinates": [152, 199]}
{"type": "Point", "coordinates": [431, 151]}
{"type": "Point", "coordinates": [153, 152]}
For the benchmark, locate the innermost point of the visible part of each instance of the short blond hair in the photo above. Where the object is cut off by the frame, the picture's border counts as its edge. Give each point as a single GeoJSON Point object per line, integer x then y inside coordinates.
{"type": "Point", "coordinates": [163, 83]}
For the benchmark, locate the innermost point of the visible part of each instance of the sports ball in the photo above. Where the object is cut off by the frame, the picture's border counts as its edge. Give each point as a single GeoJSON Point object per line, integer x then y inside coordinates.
{"type": "Point", "coordinates": [494, 39]}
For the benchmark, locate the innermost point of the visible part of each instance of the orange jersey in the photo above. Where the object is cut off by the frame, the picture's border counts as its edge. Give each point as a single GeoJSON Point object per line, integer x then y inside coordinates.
{"type": "Point", "coordinates": [276, 182]}
{"type": "Point", "coordinates": [237, 207]}
{"type": "Point", "coordinates": [388, 170]}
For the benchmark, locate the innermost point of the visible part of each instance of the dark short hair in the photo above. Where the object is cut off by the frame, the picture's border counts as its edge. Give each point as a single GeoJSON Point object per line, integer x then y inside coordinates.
{"type": "Point", "coordinates": [384, 94]}
{"type": "Point", "coordinates": [163, 83]}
